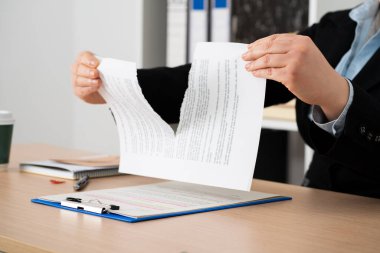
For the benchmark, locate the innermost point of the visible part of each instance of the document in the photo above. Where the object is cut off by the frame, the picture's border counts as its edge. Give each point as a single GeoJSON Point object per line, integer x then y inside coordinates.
{"type": "Point", "coordinates": [218, 134]}
{"type": "Point", "coordinates": [166, 198]}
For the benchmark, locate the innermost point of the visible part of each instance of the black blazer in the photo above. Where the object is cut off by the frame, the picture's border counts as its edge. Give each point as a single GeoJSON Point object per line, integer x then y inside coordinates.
{"type": "Point", "coordinates": [350, 163]}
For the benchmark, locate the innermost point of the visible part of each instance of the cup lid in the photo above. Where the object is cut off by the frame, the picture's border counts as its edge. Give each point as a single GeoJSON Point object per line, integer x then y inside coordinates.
{"type": "Point", "coordinates": [6, 118]}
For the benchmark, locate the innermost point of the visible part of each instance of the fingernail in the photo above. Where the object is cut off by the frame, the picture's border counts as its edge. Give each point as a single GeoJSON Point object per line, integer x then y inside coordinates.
{"type": "Point", "coordinates": [94, 81]}
{"type": "Point", "coordinates": [91, 72]}
{"type": "Point", "coordinates": [248, 65]}
{"type": "Point", "coordinates": [93, 63]}
{"type": "Point", "coordinates": [244, 55]}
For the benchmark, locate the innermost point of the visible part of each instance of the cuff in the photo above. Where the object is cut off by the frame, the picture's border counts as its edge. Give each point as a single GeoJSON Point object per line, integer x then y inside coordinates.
{"type": "Point", "coordinates": [334, 127]}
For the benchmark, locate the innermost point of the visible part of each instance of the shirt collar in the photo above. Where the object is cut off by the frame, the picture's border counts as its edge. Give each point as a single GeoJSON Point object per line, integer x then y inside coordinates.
{"type": "Point", "coordinates": [366, 10]}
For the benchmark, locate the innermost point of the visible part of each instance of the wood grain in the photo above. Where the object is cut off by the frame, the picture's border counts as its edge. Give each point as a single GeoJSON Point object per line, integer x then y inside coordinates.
{"type": "Point", "coordinates": [314, 221]}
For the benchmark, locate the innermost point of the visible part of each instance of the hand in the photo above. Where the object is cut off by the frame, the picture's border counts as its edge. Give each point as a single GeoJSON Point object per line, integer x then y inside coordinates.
{"type": "Point", "coordinates": [85, 78]}
{"type": "Point", "coordinates": [296, 62]}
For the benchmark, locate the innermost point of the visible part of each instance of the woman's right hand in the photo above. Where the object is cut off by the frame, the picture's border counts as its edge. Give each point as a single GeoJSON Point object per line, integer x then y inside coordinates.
{"type": "Point", "coordinates": [85, 78]}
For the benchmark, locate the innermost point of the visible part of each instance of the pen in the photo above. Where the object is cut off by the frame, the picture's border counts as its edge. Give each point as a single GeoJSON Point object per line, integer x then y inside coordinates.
{"type": "Point", "coordinates": [81, 183]}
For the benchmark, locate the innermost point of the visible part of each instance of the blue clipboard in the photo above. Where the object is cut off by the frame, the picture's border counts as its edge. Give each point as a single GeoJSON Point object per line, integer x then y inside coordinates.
{"type": "Point", "coordinates": [153, 217]}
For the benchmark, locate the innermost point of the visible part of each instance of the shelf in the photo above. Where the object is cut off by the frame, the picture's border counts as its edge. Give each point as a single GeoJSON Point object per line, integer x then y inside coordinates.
{"type": "Point", "coordinates": [280, 117]}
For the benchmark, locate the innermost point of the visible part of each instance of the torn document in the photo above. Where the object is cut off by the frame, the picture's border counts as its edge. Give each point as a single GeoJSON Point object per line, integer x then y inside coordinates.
{"type": "Point", "coordinates": [218, 134]}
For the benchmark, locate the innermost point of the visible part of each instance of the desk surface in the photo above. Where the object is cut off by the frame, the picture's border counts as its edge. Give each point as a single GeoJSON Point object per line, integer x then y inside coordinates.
{"type": "Point", "coordinates": [314, 221]}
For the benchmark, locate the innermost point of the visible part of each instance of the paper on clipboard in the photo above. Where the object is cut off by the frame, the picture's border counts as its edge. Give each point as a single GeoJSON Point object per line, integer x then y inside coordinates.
{"type": "Point", "coordinates": [165, 198]}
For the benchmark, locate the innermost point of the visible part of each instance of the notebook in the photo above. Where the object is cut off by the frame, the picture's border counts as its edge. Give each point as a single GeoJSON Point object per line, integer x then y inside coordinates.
{"type": "Point", "coordinates": [94, 166]}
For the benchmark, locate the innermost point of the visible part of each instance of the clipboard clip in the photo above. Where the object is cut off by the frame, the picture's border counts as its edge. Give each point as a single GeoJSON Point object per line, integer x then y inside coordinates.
{"type": "Point", "coordinates": [88, 206]}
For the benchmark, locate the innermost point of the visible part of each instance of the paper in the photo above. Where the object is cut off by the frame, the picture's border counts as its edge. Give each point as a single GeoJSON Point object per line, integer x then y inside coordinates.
{"type": "Point", "coordinates": [162, 198]}
{"type": "Point", "coordinates": [95, 161]}
{"type": "Point", "coordinates": [217, 138]}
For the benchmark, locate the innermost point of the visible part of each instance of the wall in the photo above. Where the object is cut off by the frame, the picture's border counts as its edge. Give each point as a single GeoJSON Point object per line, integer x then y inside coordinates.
{"type": "Point", "coordinates": [36, 52]}
{"type": "Point", "coordinates": [40, 40]}
{"type": "Point", "coordinates": [109, 29]}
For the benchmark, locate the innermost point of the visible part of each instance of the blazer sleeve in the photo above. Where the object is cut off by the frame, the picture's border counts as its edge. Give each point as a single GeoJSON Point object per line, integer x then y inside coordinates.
{"type": "Point", "coordinates": [359, 144]}
{"type": "Point", "coordinates": [164, 88]}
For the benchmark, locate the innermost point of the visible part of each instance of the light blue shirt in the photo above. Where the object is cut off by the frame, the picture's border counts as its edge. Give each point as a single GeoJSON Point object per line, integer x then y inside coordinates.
{"type": "Point", "coordinates": [364, 46]}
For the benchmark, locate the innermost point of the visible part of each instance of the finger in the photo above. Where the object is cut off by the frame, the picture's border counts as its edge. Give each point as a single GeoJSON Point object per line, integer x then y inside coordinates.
{"type": "Point", "coordinates": [276, 43]}
{"type": "Point", "coordinates": [268, 61]}
{"type": "Point", "coordinates": [74, 68]}
{"type": "Point", "coordinates": [87, 82]}
{"type": "Point", "coordinates": [273, 37]}
{"type": "Point", "coordinates": [261, 49]}
{"type": "Point", "coordinates": [88, 59]}
{"type": "Point", "coordinates": [85, 91]}
{"type": "Point", "coordinates": [276, 74]}
{"type": "Point", "coordinates": [84, 71]}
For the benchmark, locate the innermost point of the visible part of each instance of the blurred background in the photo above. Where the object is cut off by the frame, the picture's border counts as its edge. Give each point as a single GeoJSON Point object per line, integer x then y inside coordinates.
{"type": "Point", "coordinates": [40, 39]}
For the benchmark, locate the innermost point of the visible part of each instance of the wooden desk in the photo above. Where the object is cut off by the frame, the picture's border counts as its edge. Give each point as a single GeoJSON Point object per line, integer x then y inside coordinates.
{"type": "Point", "coordinates": [314, 221]}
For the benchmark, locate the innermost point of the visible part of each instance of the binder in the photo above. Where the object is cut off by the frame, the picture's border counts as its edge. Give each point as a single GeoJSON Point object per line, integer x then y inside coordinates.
{"type": "Point", "coordinates": [221, 20]}
{"type": "Point", "coordinates": [176, 43]}
{"type": "Point", "coordinates": [198, 24]}
{"type": "Point", "coordinates": [247, 199]}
